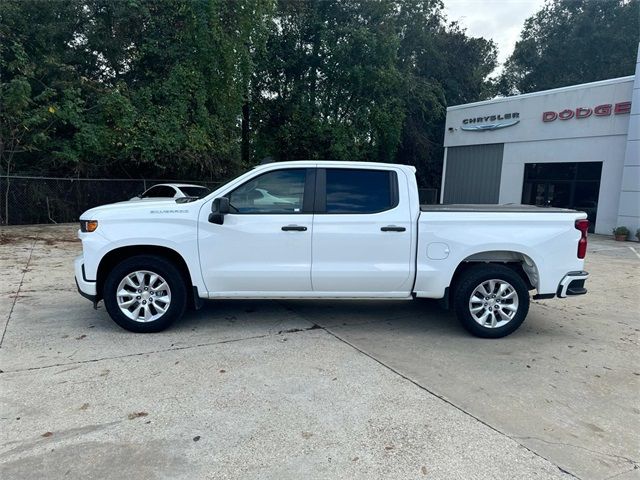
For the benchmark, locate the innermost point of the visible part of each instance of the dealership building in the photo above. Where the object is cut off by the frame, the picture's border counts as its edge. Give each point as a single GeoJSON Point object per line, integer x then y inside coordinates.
{"type": "Point", "coordinates": [575, 147]}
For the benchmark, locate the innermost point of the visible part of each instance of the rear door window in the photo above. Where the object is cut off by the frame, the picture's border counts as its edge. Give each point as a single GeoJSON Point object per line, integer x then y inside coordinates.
{"type": "Point", "coordinates": [360, 191]}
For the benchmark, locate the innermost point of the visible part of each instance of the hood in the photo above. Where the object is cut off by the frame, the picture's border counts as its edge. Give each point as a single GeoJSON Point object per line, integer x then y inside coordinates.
{"type": "Point", "coordinates": [139, 209]}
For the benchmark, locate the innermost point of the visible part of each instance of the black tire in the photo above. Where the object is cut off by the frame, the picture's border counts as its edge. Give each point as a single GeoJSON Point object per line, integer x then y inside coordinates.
{"type": "Point", "coordinates": [155, 264]}
{"type": "Point", "coordinates": [474, 277]}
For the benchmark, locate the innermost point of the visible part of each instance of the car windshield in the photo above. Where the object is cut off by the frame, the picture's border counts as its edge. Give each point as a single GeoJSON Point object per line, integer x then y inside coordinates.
{"type": "Point", "coordinates": [195, 191]}
{"type": "Point", "coordinates": [159, 191]}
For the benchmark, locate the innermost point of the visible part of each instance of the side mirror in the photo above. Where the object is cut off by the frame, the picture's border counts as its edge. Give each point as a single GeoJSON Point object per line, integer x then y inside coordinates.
{"type": "Point", "coordinates": [222, 205]}
{"type": "Point", "coordinates": [219, 208]}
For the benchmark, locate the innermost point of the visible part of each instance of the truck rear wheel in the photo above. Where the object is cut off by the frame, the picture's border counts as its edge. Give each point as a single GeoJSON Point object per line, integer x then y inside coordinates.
{"type": "Point", "coordinates": [491, 301]}
{"type": "Point", "coordinates": [145, 294]}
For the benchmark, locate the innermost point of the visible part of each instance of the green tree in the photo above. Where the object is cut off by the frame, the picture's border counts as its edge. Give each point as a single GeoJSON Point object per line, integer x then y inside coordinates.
{"type": "Point", "coordinates": [34, 79]}
{"type": "Point", "coordinates": [362, 80]}
{"type": "Point", "coordinates": [441, 66]}
{"type": "Point", "coordinates": [326, 85]}
{"type": "Point", "coordinates": [574, 41]}
{"type": "Point", "coordinates": [202, 88]}
{"type": "Point", "coordinates": [133, 87]}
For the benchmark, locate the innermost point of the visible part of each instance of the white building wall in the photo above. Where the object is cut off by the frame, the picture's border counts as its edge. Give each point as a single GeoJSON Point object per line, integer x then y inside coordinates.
{"type": "Point", "coordinates": [629, 204]}
{"type": "Point", "coordinates": [613, 140]}
{"type": "Point", "coordinates": [530, 106]}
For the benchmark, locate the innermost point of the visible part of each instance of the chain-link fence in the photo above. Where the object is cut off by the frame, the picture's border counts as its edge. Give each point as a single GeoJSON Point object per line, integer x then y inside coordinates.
{"type": "Point", "coordinates": [428, 196]}
{"type": "Point", "coordinates": [30, 200]}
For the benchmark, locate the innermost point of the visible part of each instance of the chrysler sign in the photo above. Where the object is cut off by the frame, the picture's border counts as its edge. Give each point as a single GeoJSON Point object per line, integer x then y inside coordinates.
{"type": "Point", "coordinates": [490, 122]}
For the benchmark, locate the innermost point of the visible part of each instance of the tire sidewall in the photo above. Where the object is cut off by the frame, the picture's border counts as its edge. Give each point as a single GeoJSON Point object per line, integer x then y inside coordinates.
{"type": "Point", "coordinates": [474, 277]}
{"type": "Point", "coordinates": [153, 264]}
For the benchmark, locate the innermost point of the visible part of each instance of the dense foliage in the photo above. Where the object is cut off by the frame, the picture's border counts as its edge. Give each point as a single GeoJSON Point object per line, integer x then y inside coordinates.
{"type": "Point", "coordinates": [574, 41]}
{"type": "Point", "coordinates": [124, 88]}
{"type": "Point", "coordinates": [202, 88]}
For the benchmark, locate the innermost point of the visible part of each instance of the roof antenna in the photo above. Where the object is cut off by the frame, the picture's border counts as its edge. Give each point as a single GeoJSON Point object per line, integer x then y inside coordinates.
{"type": "Point", "coordinates": [266, 160]}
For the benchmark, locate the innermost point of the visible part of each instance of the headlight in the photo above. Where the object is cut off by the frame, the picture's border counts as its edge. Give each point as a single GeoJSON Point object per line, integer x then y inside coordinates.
{"type": "Point", "coordinates": [88, 225]}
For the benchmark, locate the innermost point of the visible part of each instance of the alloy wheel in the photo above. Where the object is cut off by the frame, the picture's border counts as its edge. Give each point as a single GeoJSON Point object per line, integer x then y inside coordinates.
{"type": "Point", "coordinates": [143, 296]}
{"type": "Point", "coordinates": [493, 303]}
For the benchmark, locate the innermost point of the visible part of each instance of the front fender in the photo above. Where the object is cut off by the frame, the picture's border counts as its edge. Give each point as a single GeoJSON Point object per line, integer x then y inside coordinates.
{"type": "Point", "coordinates": [179, 236]}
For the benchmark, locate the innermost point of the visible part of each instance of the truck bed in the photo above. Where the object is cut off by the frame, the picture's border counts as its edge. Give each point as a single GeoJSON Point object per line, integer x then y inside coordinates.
{"type": "Point", "coordinates": [505, 208]}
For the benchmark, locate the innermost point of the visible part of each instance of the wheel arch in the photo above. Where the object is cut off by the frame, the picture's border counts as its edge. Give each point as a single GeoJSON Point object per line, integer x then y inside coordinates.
{"type": "Point", "coordinates": [518, 261]}
{"type": "Point", "coordinates": [117, 255]}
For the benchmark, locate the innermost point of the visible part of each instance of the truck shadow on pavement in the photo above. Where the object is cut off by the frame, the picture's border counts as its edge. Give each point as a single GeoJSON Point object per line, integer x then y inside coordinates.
{"type": "Point", "coordinates": [421, 316]}
{"type": "Point", "coordinates": [225, 319]}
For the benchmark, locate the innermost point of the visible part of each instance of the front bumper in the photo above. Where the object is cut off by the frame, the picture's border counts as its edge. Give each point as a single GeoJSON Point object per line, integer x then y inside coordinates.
{"type": "Point", "coordinates": [87, 288]}
{"type": "Point", "coordinates": [572, 284]}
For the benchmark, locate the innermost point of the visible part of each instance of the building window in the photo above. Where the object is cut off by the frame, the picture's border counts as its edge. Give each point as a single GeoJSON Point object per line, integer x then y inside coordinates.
{"type": "Point", "coordinates": [567, 185]}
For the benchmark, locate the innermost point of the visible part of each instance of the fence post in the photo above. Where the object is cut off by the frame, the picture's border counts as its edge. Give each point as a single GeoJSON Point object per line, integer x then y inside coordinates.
{"type": "Point", "coordinates": [6, 201]}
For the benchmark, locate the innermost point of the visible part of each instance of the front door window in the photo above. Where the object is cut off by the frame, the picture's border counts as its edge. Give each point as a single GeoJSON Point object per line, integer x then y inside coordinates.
{"type": "Point", "coordinates": [277, 192]}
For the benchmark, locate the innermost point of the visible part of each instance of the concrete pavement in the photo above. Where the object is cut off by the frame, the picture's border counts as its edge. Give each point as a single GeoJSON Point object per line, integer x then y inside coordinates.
{"type": "Point", "coordinates": [256, 389]}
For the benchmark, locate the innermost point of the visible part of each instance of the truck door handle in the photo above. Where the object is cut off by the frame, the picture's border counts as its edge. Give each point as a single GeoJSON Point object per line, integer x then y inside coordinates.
{"type": "Point", "coordinates": [393, 228]}
{"type": "Point", "coordinates": [294, 228]}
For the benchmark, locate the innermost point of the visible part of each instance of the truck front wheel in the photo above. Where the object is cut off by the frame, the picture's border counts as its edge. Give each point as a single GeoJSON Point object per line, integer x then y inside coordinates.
{"type": "Point", "coordinates": [145, 294]}
{"type": "Point", "coordinates": [491, 301]}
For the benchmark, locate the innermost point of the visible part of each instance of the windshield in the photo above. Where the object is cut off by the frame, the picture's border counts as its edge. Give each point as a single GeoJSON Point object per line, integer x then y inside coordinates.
{"type": "Point", "coordinates": [195, 191]}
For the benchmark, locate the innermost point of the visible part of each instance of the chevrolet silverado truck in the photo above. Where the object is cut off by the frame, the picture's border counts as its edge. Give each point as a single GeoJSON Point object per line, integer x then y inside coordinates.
{"type": "Point", "coordinates": [329, 230]}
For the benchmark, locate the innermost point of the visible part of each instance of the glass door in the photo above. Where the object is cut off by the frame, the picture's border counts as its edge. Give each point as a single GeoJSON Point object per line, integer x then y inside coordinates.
{"type": "Point", "coordinates": [566, 185]}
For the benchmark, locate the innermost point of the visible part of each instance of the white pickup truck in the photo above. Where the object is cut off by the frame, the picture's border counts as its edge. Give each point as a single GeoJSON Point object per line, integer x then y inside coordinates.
{"type": "Point", "coordinates": [315, 229]}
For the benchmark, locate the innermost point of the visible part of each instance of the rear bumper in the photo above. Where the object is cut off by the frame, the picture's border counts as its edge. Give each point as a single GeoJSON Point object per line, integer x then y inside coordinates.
{"type": "Point", "coordinates": [86, 288]}
{"type": "Point", "coordinates": [572, 284]}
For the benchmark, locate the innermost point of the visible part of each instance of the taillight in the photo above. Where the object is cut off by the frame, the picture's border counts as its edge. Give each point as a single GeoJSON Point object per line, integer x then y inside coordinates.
{"type": "Point", "coordinates": [583, 226]}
